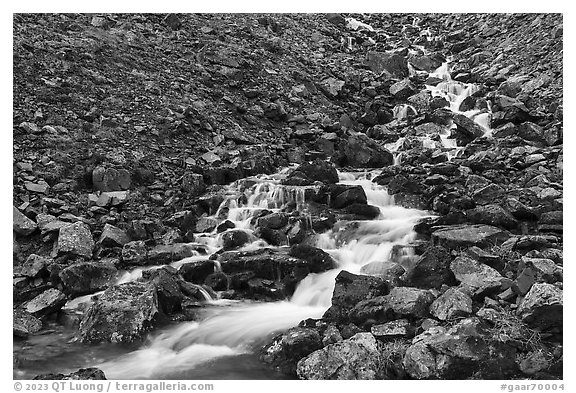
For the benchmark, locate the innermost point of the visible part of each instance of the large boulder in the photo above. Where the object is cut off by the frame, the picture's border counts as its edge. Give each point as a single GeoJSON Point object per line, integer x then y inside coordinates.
{"type": "Point", "coordinates": [360, 151]}
{"type": "Point", "coordinates": [318, 259]}
{"type": "Point", "coordinates": [234, 239]}
{"type": "Point", "coordinates": [113, 236]}
{"type": "Point", "coordinates": [273, 221]}
{"type": "Point", "coordinates": [349, 290]}
{"type": "Point", "coordinates": [196, 271]}
{"type": "Point", "coordinates": [480, 278]}
{"type": "Point", "coordinates": [286, 349]}
{"type": "Point", "coordinates": [492, 214]}
{"type": "Point", "coordinates": [349, 196]}
{"type": "Point", "coordinates": [75, 239]}
{"type": "Point", "coordinates": [431, 269]}
{"type": "Point", "coordinates": [542, 307]}
{"type": "Point", "coordinates": [403, 89]}
{"type": "Point", "coordinates": [123, 313]}
{"type": "Point", "coordinates": [461, 236]}
{"type": "Point", "coordinates": [21, 224]}
{"type": "Point", "coordinates": [451, 304]}
{"type": "Point", "coordinates": [87, 277]}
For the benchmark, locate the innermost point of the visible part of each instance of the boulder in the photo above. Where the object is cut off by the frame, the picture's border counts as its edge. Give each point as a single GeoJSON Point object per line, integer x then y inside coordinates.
{"type": "Point", "coordinates": [24, 323]}
{"type": "Point", "coordinates": [286, 349]}
{"type": "Point", "coordinates": [349, 290]}
{"type": "Point", "coordinates": [196, 271]}
{"type": "Point", "coordinates": [87, 277]}
{"type": "Point", "coordinates": [319, 170]}
{"type": "Point", "coordinates": [135, 253]}
{"type": "Point", "coordinates": [431, 269]}
{"type": "Point", "coordinates": [113, 236]}
{"type": "Point", "coordinates": [492, 214]}
{"type": "Point", "coordinates": [123, 313]}
{"type": "Point", "coordinates": [111, 179]}
{"type": "Point", "coordinates": [468, 128]}
{"type": "Point", "coordinates": [91, 373]}
{"type": "Point", "coordinates": [362, 152]}
{"type": "Point", "coordinates": [36, 266]}
{"type": "Point", "coordinates": [273, 221]}
{"type": "Point", "coordinates": [193, 184]}
{"type": "Point", "coordinates": [47, 302]}
{"type": "Point", "coordinates": [355, 358]}
{"type": "Point", "coordinates": [21, 224]}
{"type": "Point", "coordinates": [403, 89]}
{"type": "Point", "coordinates": [351, 195]}
{"type": "Point", "coordinates": [480, 278]}
{"type": "Point", "coordinates": [171, 289]}
{"type": "Point", "coordinates": [75, 239]}
{"type": "Point", "coordinates": [331, 86]}
{"type": "Point", "coordinates": [407, 301]}
{"type": "Point", "coordinates": [460, 236]}
{"type": "Point", "coordinates": [390, 64]}
{"type": "Point", "coordinates": [234, 239]}
{"type": "Point", "coordinates": [531, 132]}
{"type": "Point", "coordinates": [318, 259]}
{"type": "Point", "coordinates": [400, 328]}
{"type": "Point", "coordinates": [542, 307]}
{"type": "Point", "coordinates": [164, 254]}
{"type": "Point", "coordinates": [451, 304]}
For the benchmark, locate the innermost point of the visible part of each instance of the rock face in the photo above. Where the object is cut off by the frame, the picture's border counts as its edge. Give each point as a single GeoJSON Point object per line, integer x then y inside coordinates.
{"type": "Point", "coordinates": [542, 307]}
{"type": "Point", "coordinates": [285, 350]}
{"type": "Point", "coordinates": [355, 358]}
{"type": "Point", "coordinates": [75, 239]}
{"type": "Point", "coordinates": [459, 236]}
{"type": "Point", "coordinates": [87, 277]}
{"type": "Point", "coordinates": [121, 314]}
{"type": "Point", "coordinates": [21, 224]}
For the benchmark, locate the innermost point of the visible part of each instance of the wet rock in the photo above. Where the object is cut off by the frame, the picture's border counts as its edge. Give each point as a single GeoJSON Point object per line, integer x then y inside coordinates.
{"type": "Point", "coordinates": [75, 239]}
{"type": "Point", "coordinates": [21, 224]}
{"type": "Point", "coordinates": [425, 62]}
{"type": "Point", "coordinates": [460, 236]}
{"type": "Point", "coordinates": [477, 276]}
{"type": "Point", "coordinates": [193, 184]}
{"type": "Point", "coordinates": [36, 266]}
{"type": "Point", "coordinates": [393, 330]}
{"type": "Point", "coordinates": [319, 259]}
{"type": "Point", "coordinates": [25, 324]}
{"type": "Point", "coordinates": [403, 89]}
{"type": "Point", "coordinates": [111, 179]}
{"type": "Point", "coordinates": [319, 170]}
{"type": "Point", "coordinates": [451, 304]}
{"type": "Point", "coordinates": [171, 289]}
{"type": "Point", "coordinates": [235, 238]}
{"type": "Point", "coordinates": [390, 64]}
{"type": "Point", "coordinates": [542, 307]}
{"type": "Point", "coordinates": [362, 211]}
{"type": "Point", "coordinates": [87, 277]}
{"type": "Point", "coordinates": [349, 290]}
{"type": "Point", "coordinates": [352, 195]}
{"type": "Point", "coordinates": [467, 127]}
{"type": "Point", "coordinates": [272, 236]}
{"type": "Point", "coordinates": [285, 350]}
{"type": "Point", "coordinates": [113, 236]}
{"type": "Point", "coordinates": [492, 214]}
{"type": "Point", "coordinates": [355, 358]}
{"type": "Point", "coordinates": [46, 303]}
{"type": "Point", "coordinates": [273, 221]}
{"type": "Point", "coordinates": [123, 313]}
{"type": "Point", "coordinates": [431, 269]}
{"type": "Point", "coordinates": [164, 254]}
{"type": "Point", "coordinates": [206, 225]}
{"type": "Point", "coordinates": [82, 374]}
{"type": "Point", "coordinates": [362, 152]}
{"type": "Point", "coordinates": [135, 253]}
{"type": "Point", "coordinates": [196, 271]}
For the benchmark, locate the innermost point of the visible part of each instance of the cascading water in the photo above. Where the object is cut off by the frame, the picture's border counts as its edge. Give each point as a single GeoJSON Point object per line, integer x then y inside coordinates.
{"type": "Point", "coordinates": [229, 330]}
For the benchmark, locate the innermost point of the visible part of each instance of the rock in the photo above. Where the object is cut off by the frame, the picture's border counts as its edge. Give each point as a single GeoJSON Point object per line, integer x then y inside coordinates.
{"type": "Point", "coordinates": [406, 301]}
{"type": "Point", "coordinates": [390, 64]}
{"type": "Point", "coordinates": [451, 304]}
{"type": "Point", "coordinates": [170, 288]}
{"type": "Point", "coordinates": [40, 187]}
{"type": "Point", "coordinates": [87, 277]}
{"type": "Point", "coordinates": [113, 236]}
{"type": "Point", "coordinates": [318, 259]}
{"type": "Point", "coordinates": [273, 221]}
{"type": "Point", "coordinates": [75, 239]}
{"type": "Point", "coordinates": [332, 86]}
{"type": "Point", "coordinates": [173, 21]}
{"type": "Point", "coordinates": [490, 194]}
{"type": "Point", "coordinates": [477, 276]}
{"type": "Point", "coordinates": [393, 330]}
{"type": "Point", "coordinates": [285, 350]}
{"type": "Point", "coordinates": [355, 358]}
{"type": "Point", "coordinates": [542, 307]}
{"type": "Point", "coordinates": [235, 238]}
{"type": "Point", "coordinates": [467, 127]}
{"type": "Point", "coordinates": [319, 170]}
{"type": "Point", "coordinates": [431, 269]}
{"type": "Point", "coordinates": [205, 225]}
{"type": "Point", "coordinates": [92, 373]}
{"type": "Point", "coordinates": [193, 184]}
{"type": "Point", "coordinates": [352, 195]}
{"type": "Point", "coordinates": [359, 151]}
{"type": "Point", "coordinates": [425, 63]}
{"type": "Point", "coordinates": [196, 271]}
{"type": "Point", "coordinates": [492, 214]}
{"type": "Point", "coordinates": [135, 253]}
{"type": "Point", "coordinates": [403, 89]}
{"type": "Point", "coordinates": [164, 254]}
{"type": "Point", "coordinates": [47, 302]}
{"type": "Point", "coordinates": [21, 224]}
{"type": "Point", "coordinates": [460, 236]}
{"type": "Point", "coordinates": [534, 362]}
{"type": "Point", "coordinates": [122, 314]}
{"type": "Point", "coordinates": [362, 211]}
{"type": "Point", "coordinates": [349, 290]}
{"type": "Point", "coordinates": [25, 324]}
{"type": "Point", "coordinates": [110, 198]}
{"type": "Point", "coordinates": [111, 179]}
{"type": "Point", "coordinates": [531, 132]}
{"type": "Point", "coordinates": [36, 266]}
{"type": "Point", "coordinates": [29, 127]}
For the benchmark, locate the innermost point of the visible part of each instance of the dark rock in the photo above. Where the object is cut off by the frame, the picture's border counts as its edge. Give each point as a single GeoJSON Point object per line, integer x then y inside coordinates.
{"type": "Point", "coordinates": [273, 221]}
{"type": "Point", "coordinates": [319, 170]}
{"type": "Point", "coordinates": [362, 211]}
{"type": "Point", "coordinates": [46, 303]}
{"type": "Point", "coordinates": [111, 179]}
{"type": "Point", "coordinates": [113, 236]}
{"type": "Point", "coordinates": [318, 259]}
{"type": "Point", "coordinates": [355, 358]}
{"type": "Point", "coordinates": [285, 350]}
{"type": "Point", "coordinates": [403, 89]}
{"type": "Point", "coordinates": [460, 236]}
{"type": "Point", "coordinates": [542, 307]}
{"type": "Point", "coordinates": [274, 237]}
{"type": "Point", "coordinates": [531, 132]}
{"type": "Point", "coordinates": [352, 195]}
{"type": "Point", "coordinates": [196, 271]}
{"type": "Point", "coordinates": [362, 152]}
{"type": "Point", "coordinates": [235, 238]}
{"type": "Point", "coordinates": [432, 269]}
{"type": "Point", "coordinates": [36, 266]}
{"type": "Point", "coordinates": [477, 276]}
{"type": "Point", "coordinates": [21, 224]}
{"type": "Point", "coordinates": [193, 184]}
{"type": "Point", "coordinates": [391, 64]}
{"type": "Point", "coordinates": [135, 253]}
{"type": "Point", "coordinates": [451, 304]}
{"type": "Point", "coordinates": [351, 289]}
{"type": "Point", "coordinates": [87, 277]}
{"type": "Point", "coordinates": [92, 373]}
{"type": "Point", "coordinates": [25, 324]}
{"type": "Point", "coordinates": [467, 127]}
{"type": "Point", "coordinates": [123, 313]}
{"type": "Point", "coordinates": [164, 254]}
{"type": "Point", "coordinates": [492, 214]}
{"type": "Point", "coordinates": [75, 239]}
{"type": "Point", "coordinates": [173, 21]}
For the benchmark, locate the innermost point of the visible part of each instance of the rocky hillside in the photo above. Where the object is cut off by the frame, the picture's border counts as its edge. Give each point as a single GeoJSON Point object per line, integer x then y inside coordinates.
{"type": "Point", "coordinates": [126, 127]}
